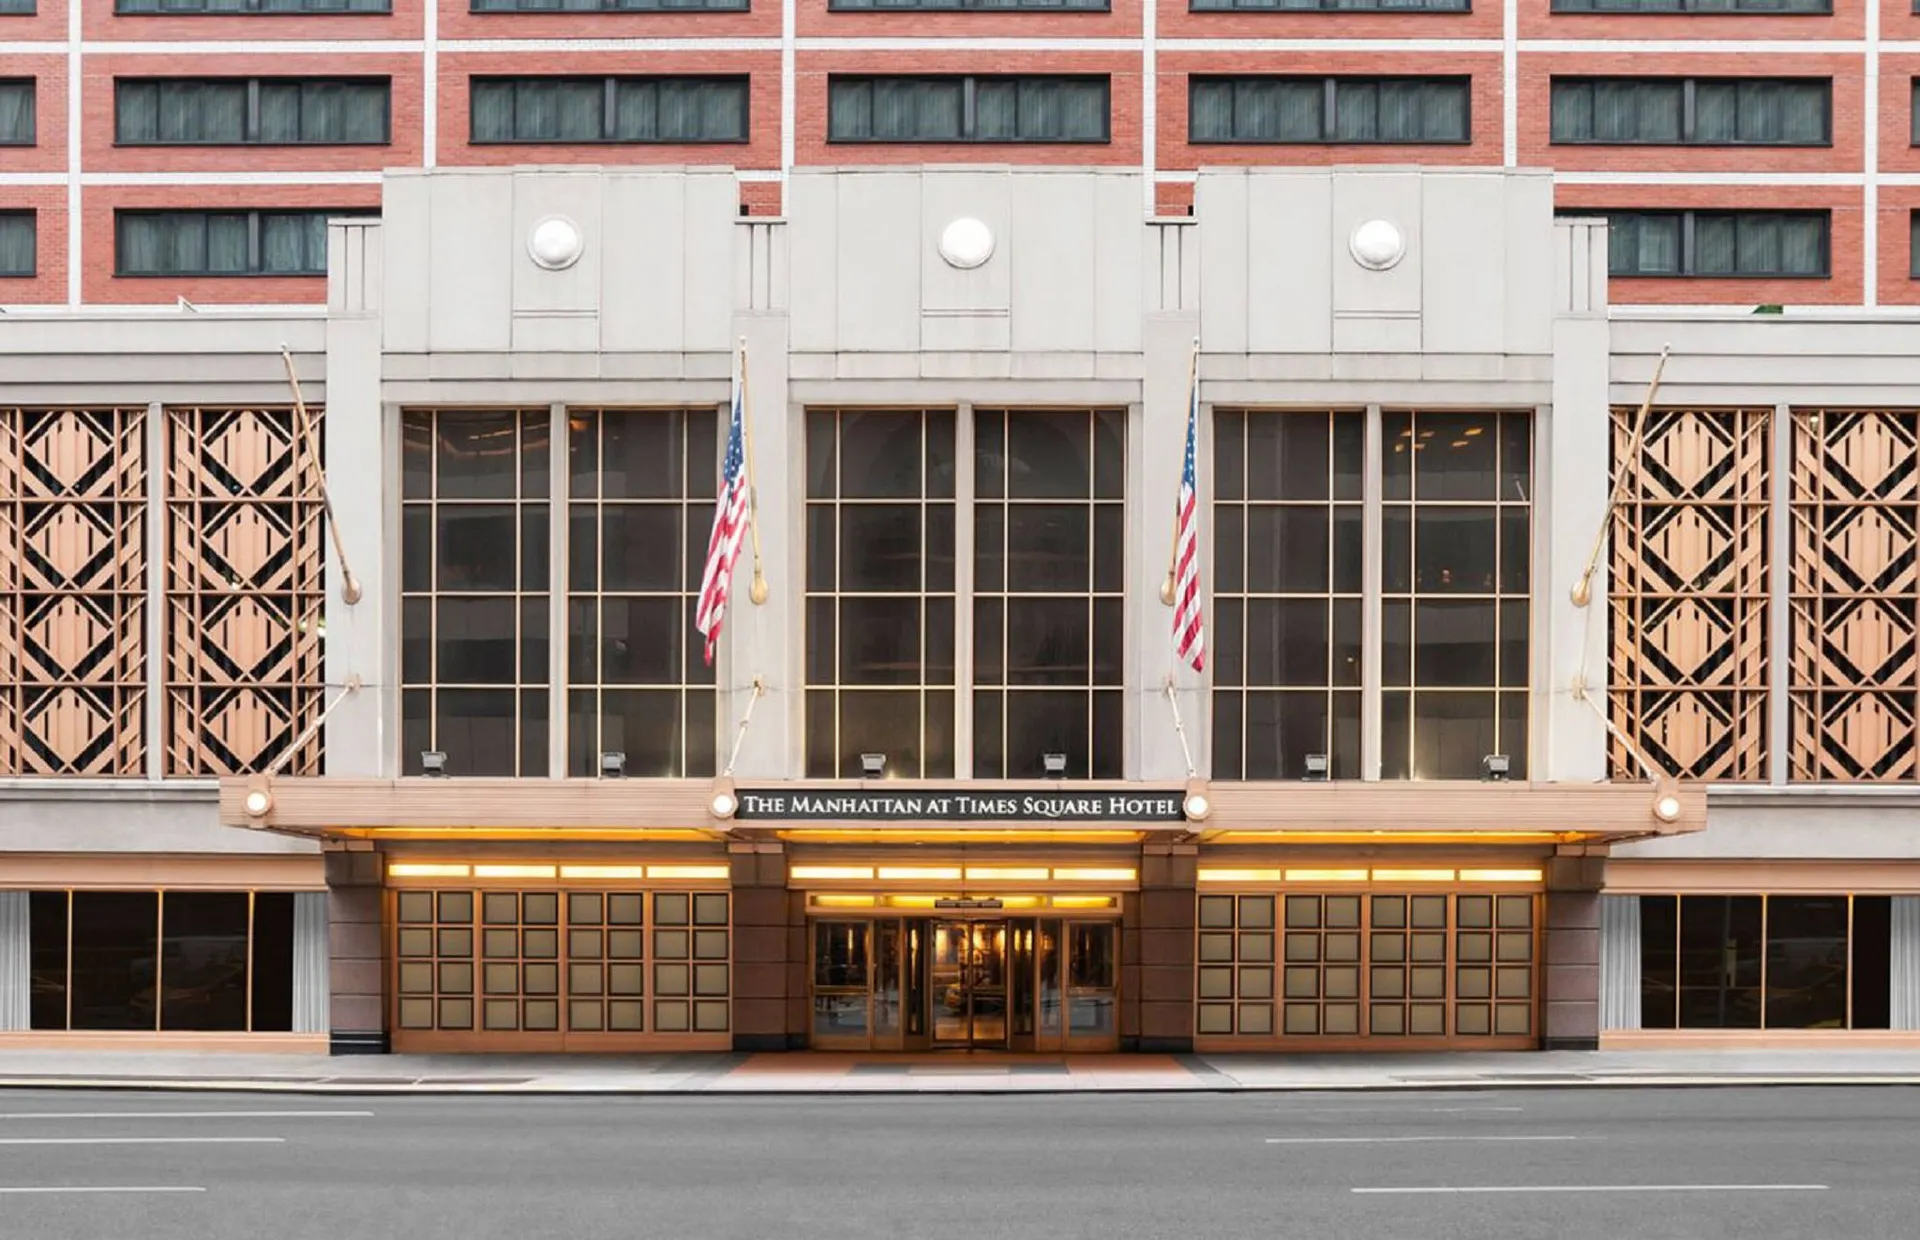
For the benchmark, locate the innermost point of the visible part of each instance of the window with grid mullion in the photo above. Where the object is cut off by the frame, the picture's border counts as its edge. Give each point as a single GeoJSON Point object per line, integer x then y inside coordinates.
{"type": "Point", "coordinates": [474, 590]}
{"type": "Point", "coordinates": [1330, 110]}
{"type": "Point", "coordinates": [608, 109]}
{"type": "Point", "coordinates": [1048, 592]}
{"type": "Point", "coordinates": [968, 108]}
{"type": "Point", "coordinates": [640, 512]}
{"type": "Point", "coordinates": [1689, 111]}
{"type": "Point", "coordinates": [1456, 537]}
{"type": "Point", "coordinates": [17, 112]}
{"type": "Point", "coordinates": [1287, 592]}
{"type": "Point", "coordinates": [19, 242]}
{"type": "Point", "coordinates": [880, 592]}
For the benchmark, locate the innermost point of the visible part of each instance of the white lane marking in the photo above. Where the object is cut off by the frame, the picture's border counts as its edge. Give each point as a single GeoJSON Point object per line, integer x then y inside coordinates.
{"type": "Point", "coordinates": [143, 1140]}
{"type": "Point", "coordinates": [103, 1188]}
{"type": "Point", "coordinates": [1610, 1188]}
{"type": "Point", "coordinates": [183, 1114]}
{"type": "Point", "coordinates": [1392, 1141]}
{"type": "Point", "coordinates": [1381, 1110]}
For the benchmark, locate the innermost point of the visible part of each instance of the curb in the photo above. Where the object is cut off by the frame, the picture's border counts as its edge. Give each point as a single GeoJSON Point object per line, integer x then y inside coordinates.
{"type": "Point", "coordinates": [410, 1089]}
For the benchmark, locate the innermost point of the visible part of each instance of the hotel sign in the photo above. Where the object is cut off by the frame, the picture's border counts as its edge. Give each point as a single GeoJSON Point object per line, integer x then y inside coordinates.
{"type": "Point", "coordinates": [879, 805]}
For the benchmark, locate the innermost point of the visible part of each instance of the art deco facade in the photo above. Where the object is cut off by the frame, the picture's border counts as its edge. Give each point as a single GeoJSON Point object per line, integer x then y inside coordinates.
{"type": "Point", "coordinates": [432, 759]}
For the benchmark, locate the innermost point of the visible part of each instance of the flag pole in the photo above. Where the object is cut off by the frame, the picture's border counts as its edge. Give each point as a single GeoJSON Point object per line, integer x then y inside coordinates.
{"type": "Point", "coordinates": [1173, 551]}
{"type": "Point", "coordinates": [757, 592]}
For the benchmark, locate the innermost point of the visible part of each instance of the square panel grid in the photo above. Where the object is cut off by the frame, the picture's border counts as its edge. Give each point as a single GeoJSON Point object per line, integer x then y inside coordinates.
{"type": "Point", "coordinates": [1049, 528]}
{"type": "Point", "coordinates": [507, 962]}
{"type": "Point", "coordinates": [1853, 593]}
{"type": "Point", "coordinates": [475, 577]}
{"type": "Point", "coordinates": [641, 486]}
{"type": "Point", "coordinates": [1379, 966]}
{"type": "Point", "coordinates": [880, 514]}
{"type": "Point", "coordinates": [1287, 591]}
{"type": "Point", "coordinates": [1688, 592]}
{"type": "Point", "coordinates": [73, 607]}
{"type": "Point", "coordinates": [246, 561]}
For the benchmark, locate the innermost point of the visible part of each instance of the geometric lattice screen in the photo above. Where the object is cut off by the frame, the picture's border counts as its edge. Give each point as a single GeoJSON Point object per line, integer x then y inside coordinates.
{"type": "Point", "coordinates": [1688, 591]}
{"type": "Point", "coordinates": [1855, 502]}
{"type": "Point", "coordinates": [72, 591]}
{"type": "Point", "coordinates": [244, 588]}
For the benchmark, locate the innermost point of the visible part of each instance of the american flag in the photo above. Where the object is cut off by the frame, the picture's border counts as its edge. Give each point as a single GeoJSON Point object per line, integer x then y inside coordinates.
{"type": "Point", "coordinates": [1189, 629]}
{"type": "Point", "coordinates": [729, 527]}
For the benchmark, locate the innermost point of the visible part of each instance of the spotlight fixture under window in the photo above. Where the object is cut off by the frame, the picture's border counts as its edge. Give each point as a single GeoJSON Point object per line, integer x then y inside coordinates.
{"type": "Point", "coordinates": [873, 765]}
{"type": "Point", "coordinates": [613, 765]}
{"type": "Point", "coordinates": [433, 764]}
{"type": "Point", "coordinates": [1055, 764]}
{"type": "Point", "coordinates": [1316, 766]}
{"type": "Point", "coordinates": [1496, 767]}
{"type": "Point", "coordinates": [1666, 801]}
{"type": "Point", "coordinates": [259, 802]}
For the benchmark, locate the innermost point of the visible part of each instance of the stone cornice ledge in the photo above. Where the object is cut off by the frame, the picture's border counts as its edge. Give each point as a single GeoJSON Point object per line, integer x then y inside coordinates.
{"type": "Point", "coordinates": [113, 791]}
{"type": "Point", "coordinates": [1814, 796]}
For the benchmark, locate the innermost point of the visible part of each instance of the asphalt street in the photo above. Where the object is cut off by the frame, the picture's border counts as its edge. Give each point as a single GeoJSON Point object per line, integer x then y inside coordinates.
{"type": "Point", "coordinates": [1838, 1163]}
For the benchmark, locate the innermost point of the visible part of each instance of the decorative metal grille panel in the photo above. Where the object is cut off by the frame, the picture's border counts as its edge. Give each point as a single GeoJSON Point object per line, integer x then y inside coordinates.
{"type": "Point", "coordinates": [72, 577]}
{"type": "Point", "coordinates": [245, 588]}
{"type": "Point", "coordinates": [1689, 593]}
{"type": "Point", "coordinates": [1853, 593]}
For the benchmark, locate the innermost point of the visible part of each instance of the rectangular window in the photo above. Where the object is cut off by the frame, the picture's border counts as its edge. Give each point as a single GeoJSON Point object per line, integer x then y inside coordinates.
{"type": "Point", "coordinates": [17, 7]}
{"type": "Point", "coordinates": [17, 243]}
{"type": "Point", "coordinates": [971, 108]}
{"type": "Point", "coordinates": [1329, 110]}
{"type": "Point", "coordinates": [1693, 111]}
{"type": "Point", "coordinates": [609, 6]}
{"type": "Point", "coordinates": [609, 109]}
{"type": "Point", "coordinates": [639, 515]}
{"type": "Point", "coordinates": [1694, 6]}
{"type": "Point", "coordinates": [251, 111]}
{"type": "Point", "coordinates": [880, 591]}
{"type": "Point", "coordinates": [969, 6]}
{"type": "Point", "coordinates": [1742, 244]}
{"type": "Point", "coordinates": [1331, 6]}
{"type": "Point", "coordinates": [177, 8]}
{"type": "Point", "coordinates": [222, 243]}
{"type": "Point", "coordinates": [474, 582]}
{"type": "Point", "coordinates": [1287, 586]}
{"type": "Point", "coordinates": [1765, 962]}
{"type": "Point", "coordinates": [1456, 534]}
{"type": "Point", "coordinates": [1049, 534]}
{"type": "Point", "coordinates": [16, 111]}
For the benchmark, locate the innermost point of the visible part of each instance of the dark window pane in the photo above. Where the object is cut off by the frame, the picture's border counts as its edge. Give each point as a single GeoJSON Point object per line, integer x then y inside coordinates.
{"type": "Point", "coordinates": [1454, 550]}
{"type": "Point", "coordinates": [937, 745]}
{"type": "Point", "coordinates": [1349, 454]}
{"type": "Point", "coordinates": [1346, 643]}
{"type": "Point", "coordinates": [416, 455]}
{"type": "Point", "coordinates": [1348, 540]}
{"type": "Point", "coordinates": [1287, 456]}
{"type": "Point", "coordinates": [1454, 644]}
{"type": "Point", "coordinates": [1452, 732]}
{"type": "Point", "coordinates": [880, 455]}
{"type": "Point", "coordinates": [583, 548]}
{"type": "Point", "coordinates": [1396, 433]}
{"type": "Point", "coordinates": [1287, 550]}
{"type": "Point", "coordinates": [1516, 550]}
{"type": "Point", "coordinates": [646, 725]}
{"type": "Point", "coordinates": [1513, 644]}
{"type": "Point", "coordinates": [822, 536]}
{"type": "Point", "coordinates": [1396, 549]}
{"type": "Point", "coordinates": [1396, 736]}
{"type": "Point", "coordinates": [1108, 748]}
{"type": "Point", "coordinates": [989, 455]}
{"type": "Point", "coordinates": [535, 547]}
{"type": "Point", "coordinates": [478, 455]}
{"type": "Point", "coordinates": [1047, 455]}
{"type": "Point", "coordinates": [115, 957]}
{"type": "Point", "coordinates": [416, 548]}
{"type": "Point", "coordinates": [822, 747]}
{"type": "Point", "coordinates": [203, 961]}
{"type": "Point", "coordinates": [940, 548]}
{"type": "Point", "coordinates": [939, 665]}
{"type": "Point", "coordinates": [989, 739]}
{"type": "Point", "coordinates": [640, 640]}
{"type": "Point", "coordinates": [1720, 953]}
{"type": "Point", "coordinates": [822, 455]}
{"type": "Point", "coordinates": [1108, 640]}
{"type": "Point", "coordinates": [1040, 722]}
{"type": "Point", "coordinates": [1048, 641]}
{"type": "Point", "coordinates": [1345, 759]}
{"type": "Point", "coordinates": [1396, 644]}
{"type": "Point", "coordinates": [941, 434]}
{"type": "Point", "coordinates": [880, 721]}
{"type": "Point", "coordinates": [880, 641]}
{"type": "Point", "coordinates": [1282, 729]}
{"type": "Point", "coordinates": [1516, 458]}
{"type": "Point", "coordinates": [701, 738]}
{"type": "Point", "coordinates": [1806, 962]}
{"type": "Point", "coordinates": [1456, 456]}
{"type": "Point", "coordinates": [534, 708]}
{"type": "Point", "coordinates": [1229, 454]}
{"type": "Point", "coordinates": [1048, 548]}
{"type": "Point", "coordinates": [583, 454]}
{"type": "Point", "coordinates": [989, 548]}
{"type": "Point", "coordinates": [1229, 549]}
{"type": "Point", "coordinates": [1109, 549]}
{"type": "Point", "coordinates": [640, 455]}
{"type": "Point", "coordinates": [583, 640]}
{"type": "Point", "coordinates": [880, 547]}
{"type": "Point", "coordinates": [583, 733]}
{"type": "Point", "coordinates": [1872, 962]}
{"type": "Point", "coordinates": [475, 641]}
{"type": "Point", "coordinates": [989, 641]}
{"type": "Point", "coordinates": [1659, 961]}
{"type": "Point", "coordinates": [416, 641]}
{"type": "Point", "coordinates": [1109, 454]}
{"type": "Point", "coordinates": [272, 961]}
{"type": "Point", "coordinates": [536, 448]}
{"type": "Point", "coordinates": [476, 729]}
{"type": "Point", "coordinates": [416, 728]}
{"type": "Point", "coordinates": [1227, 736]}
{"type": "Point", "coordinates": [1513, 740]}
{"type": "Point", "coordinates": [474, 552]}
{"type": "Point", "coordinates": [822, 645]}
{"type": "Point", "coordinates": [642, 548]}
{"type": "Point", "coordinates": [1287, 642]}
{"type": "Point", "coordinates": [47, 956]}
{"type": "Point", "coordinates": [535, 648]}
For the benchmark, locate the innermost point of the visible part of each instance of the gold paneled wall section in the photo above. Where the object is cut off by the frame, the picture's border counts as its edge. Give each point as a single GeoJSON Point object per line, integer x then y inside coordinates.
{"type": "Point", "coordinates": [245, 580]}
{"type": "Point", "coordinates": [1688, 584]}
{"type": "Point", "coordinates": [72, 591]}
{"type": "Point", "coordinates": [1853, 593]}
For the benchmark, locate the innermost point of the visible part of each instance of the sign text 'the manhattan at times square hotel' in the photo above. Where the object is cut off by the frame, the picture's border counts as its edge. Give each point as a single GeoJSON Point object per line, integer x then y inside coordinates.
{"type": "Point", "coordinates": [874, 805]}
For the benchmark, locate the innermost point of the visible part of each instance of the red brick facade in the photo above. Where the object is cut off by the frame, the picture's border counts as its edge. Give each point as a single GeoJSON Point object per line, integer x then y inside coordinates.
{"type": "Point", "coordinates": [1110, 43]}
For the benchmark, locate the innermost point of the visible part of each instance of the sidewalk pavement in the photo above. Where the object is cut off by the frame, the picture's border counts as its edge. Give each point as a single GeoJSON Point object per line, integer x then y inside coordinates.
{"type": "Point", "coordinates": [947, 1073]}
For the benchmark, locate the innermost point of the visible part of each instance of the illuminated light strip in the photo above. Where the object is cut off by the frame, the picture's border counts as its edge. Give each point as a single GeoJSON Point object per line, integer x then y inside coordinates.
{"type": "Point", "coordinates": [1095, 876]}
{"type": "Point", "coordinates": [514, 871]}
{"type": "Point", "coordinates": [1239, 876]}
{"type": "Point", "coordinates": [912, 901]}
{"type": "Point", "coordinates": [981, 835]}
{"type": "Point", "coordinates": [1083, 901]}
{"type": "Point", "coordinates": [423, 869]}
{"type": "Point", "coordinates": [830, 871]}
{"type": "Point", "coordinates": [920, 873]}
{"type": "Point", "coordinates": [689, 871]}
{"type": "Point", "coordinates": [835, 901]}
{"type": "Point", "coordinates": [1413, 876]}
{"type": "Point", "coordinates": [1326, 876]}
{"type": "Point", "coordinates": [603, 871]}
{"type": "Point", "coordinates": [1007, 874]}
{"type": "Point", "coordinates": [1017, 901]}
{"type": "Point", "coordinates": [1500, 876]}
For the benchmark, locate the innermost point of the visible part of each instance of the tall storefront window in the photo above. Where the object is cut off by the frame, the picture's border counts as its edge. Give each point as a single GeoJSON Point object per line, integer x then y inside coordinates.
{"type": "Point", "coordinates": [474, 578]}
{"type": "Point", "coordinates": [164, 961]}
{"type": "Point", "coordinates": [1765, 962]}
{"type": "Point", "coordinates": [1287, 592]}
{"type": "Point", "coordinates": [640, 510]}
{"type": "Point", "coordinates": [880, 591]}
{"type": "Point", "coordinates": [1049, 585]}
{"type": "Point", "coordinates": [1455, 550]}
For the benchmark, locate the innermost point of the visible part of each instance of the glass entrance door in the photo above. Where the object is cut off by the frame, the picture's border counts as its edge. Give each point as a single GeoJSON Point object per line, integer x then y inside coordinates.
{"type": "Point", "coordinates": [967, 975]}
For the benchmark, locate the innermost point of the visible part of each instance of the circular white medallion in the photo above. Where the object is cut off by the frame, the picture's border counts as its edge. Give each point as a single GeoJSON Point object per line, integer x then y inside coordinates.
{"type": "Point", "coordinates": [555, 243]}
{"type": "Point", "coordinates": [966, 243]}
{"type": "Point", "coordinates": [1377, 245]}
